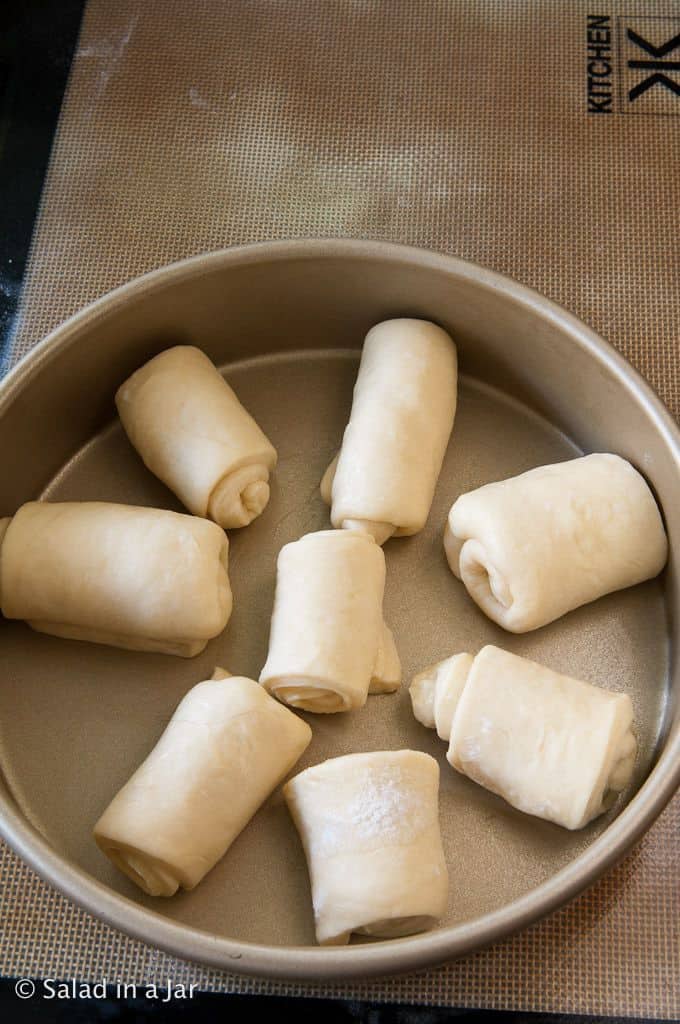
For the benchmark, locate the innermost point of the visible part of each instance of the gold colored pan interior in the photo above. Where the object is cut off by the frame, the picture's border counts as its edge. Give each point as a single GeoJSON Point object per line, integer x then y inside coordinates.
{"type": "Point", "coordinates": [285, 321]}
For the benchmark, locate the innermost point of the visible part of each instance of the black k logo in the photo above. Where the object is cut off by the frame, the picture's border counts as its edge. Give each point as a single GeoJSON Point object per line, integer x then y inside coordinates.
{"type": "Point", "coordinates": [658, 65]}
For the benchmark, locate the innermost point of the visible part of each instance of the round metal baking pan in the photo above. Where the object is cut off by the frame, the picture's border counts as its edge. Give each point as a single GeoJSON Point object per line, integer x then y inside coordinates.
{"type": "Point", "coordinates": [285, 320]}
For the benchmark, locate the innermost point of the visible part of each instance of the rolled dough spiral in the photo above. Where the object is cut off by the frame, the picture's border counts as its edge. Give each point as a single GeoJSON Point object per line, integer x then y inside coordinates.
{"type": "Point", "coordinates": [534, 547]}
{"type": "Point", "coordinates": [383, 479]}
{"type": "Point", "coordinates": [193, 433]}
{"type": "Point", "coordinates": [550, 745]}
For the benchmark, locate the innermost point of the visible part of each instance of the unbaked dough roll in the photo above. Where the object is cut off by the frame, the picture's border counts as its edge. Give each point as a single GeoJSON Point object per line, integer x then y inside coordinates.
{"type": "Point", "coordinates": [221, 673]}
{"type": "Point", "coordinates": [193, 433]}
{"type": "Point", "coordinates": [550, 745]}
{"type": "Point", "coordinates": [386, 674]}
{"type": "Point", "coordinates": [369, 825]}
{"type": "Point", "coordinates": [403, 408]}
{"type": "Point", "coordinates": [224, 750]}
{"type": "Point", "coordinates": [534, 547]}
{"type": "Point", "coordinates": [436, 690]}
{"type": "Point", "coordinates": [328, 645]}
{"type": "Point", "coordinates": [141, 578]}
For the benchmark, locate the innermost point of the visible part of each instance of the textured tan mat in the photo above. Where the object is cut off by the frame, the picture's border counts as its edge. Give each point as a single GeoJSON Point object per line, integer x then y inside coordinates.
{"type": "Point", "coordinates": [462, 126]}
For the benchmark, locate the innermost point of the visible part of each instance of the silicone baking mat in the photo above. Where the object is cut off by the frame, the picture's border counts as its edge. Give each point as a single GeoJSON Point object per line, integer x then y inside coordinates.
{"type": "Point", "coordinates": [538, 138]}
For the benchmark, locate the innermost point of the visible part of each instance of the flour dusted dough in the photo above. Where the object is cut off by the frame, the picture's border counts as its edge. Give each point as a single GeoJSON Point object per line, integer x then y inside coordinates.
{"type": "Point", "coordinates": [225, 749]}
{"type": "Point", "coordinates": [140, 578]}
{"type": "Point", "coordinates": [534, 547]}
{"type": "Point", "coordinates": [369, 824]}
{"type": "Point", "coordinates": [328, 645]}
{"type": "Point", "coordinates": [193, 433]}
{"type": "Point", "coordinates": [551, 745]}
{"type": "Point", "coordinates": [403, 409]}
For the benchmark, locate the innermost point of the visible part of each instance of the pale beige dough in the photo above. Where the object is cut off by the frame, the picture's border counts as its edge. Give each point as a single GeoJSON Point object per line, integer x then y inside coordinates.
{"type": "Point", "coordinates": [328, 644]}
{"type": "Point", "coordinates": [227, 746]}
{"type": "Point", "coordinates": [221, 673]}
{"type": "Point", "coordinates": [140, 578]}
{"type": "Point", "coordinates": [403, 408]}
{"type": "Point", "coordinates": [550, 745]}
{"type": "Point", "coordinates": [534, 547]}
{"type": "Point", "coordinates": [193, 433]}
{"type": "Point", "coordinates": [369, 825]}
